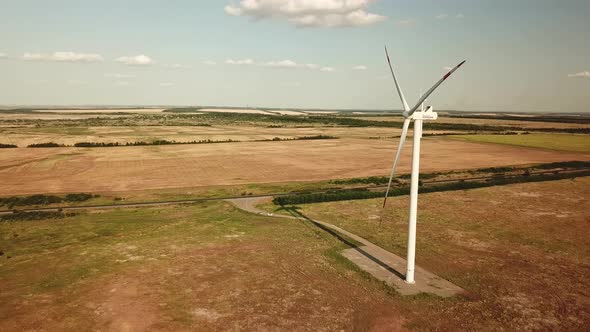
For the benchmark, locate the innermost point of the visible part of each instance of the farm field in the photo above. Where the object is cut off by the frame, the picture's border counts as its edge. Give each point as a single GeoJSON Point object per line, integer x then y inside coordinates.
{"type": "Point", "coordinates": [520, 250]}
{"type": "Point", "coordinates": [580, 143]}
{"type": "Point", "coordinates": [55, 170]}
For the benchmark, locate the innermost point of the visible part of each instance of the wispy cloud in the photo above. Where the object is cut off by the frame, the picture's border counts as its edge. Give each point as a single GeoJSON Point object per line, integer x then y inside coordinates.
{"type": "Point", "coordinates": [209, 63]}
{"type": "Point", "coordinates": [459, 16]}
{"type": "Point", "coordinates": [282, 64]}
{"type": "Point", "coordinates": [582, 74]}
{"type": "Point", "coordinates": [239, 62]}
{"type": "Point", "coordinates": [137, 60]}
{"type": "Point", "coordinates": [290, 64]}
{"type": "Point", "coordinates": [360, 67]}
{"type": "Point", "coordinates": [177, 66]}
{"type": "Point", "coordinates": [3, 56]}
{"type": "Point", "coordinates": [306, 13]}
{"type": "Point", "coordinates": [63, 57]}
{"type": "Point", "coordinates": [166, 84]}
{"type": "Point", "coordinates": [447, 68]}
{"type": "Point", "coordinates": [122, 83]}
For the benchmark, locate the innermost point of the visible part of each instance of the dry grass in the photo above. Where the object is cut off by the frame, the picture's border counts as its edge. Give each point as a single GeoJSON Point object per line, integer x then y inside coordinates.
{"type": "Point", "coordinates": [199, 267]}
{"type": "Point", "coordinates": [521, 250]}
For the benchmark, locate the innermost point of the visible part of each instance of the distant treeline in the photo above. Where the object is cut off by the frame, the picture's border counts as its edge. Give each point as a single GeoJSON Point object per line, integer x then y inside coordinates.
{"type": "Point", "coordinates": [7, 146]}
{"type": "Point", "coordinates": [535, 118]}
{"type": "Point", "coordinates": [34, 215]}
{"type": "Point", "coordinates": [44, 199]}
{"type": "Point", "coordinates": [46, 145]}
{"type": "Point", "coordinates": [167, 142]}
{"type": "Point", "coordinates": [381, 180]}
{"type": "Point", "coordinates": [338, 120]}
{"type": "Point", "coordinates": [351, 194]}
{"type": "Point", "coordinates": [456, 134]}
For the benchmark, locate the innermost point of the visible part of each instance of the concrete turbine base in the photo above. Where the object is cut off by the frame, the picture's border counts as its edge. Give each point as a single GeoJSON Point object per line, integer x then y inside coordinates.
{"type": "Point", "coordinates": [378, 262]}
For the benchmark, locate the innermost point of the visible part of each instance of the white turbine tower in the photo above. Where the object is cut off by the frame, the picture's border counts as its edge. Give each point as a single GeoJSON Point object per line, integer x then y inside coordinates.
{"type": "Point", "coordinates": [418, 116]}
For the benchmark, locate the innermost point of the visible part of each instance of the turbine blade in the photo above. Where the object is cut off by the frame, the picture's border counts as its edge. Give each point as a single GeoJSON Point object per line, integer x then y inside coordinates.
{"type": "Point", "coordinates": [402, 139]}
{"type": "Point", "coordinates": [436, 85]}
{"type": "Point", "coordinates": [399, 90]}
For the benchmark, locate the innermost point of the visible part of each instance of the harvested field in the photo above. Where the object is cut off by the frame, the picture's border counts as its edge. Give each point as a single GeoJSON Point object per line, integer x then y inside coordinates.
{"type": "Point", "coordinates": [55, 170]}
{"type": "Point", "coordinates": [522, 251]}
{"type": "Point", "coordinates": [580, 143]}
{"type": "Point", "coordinates": [101, 110]}
{"type": "Point", "coordinates": [56, 116]}
{"type": "Point", "coordinates": [235, 110]}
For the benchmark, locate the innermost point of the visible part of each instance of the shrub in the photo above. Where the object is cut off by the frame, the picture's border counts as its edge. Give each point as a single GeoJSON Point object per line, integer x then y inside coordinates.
{"type": "Point", "coordinates": [34, 215]}
{"type": "Point", "coordinates": [45, 145]}
{"type": "Point", "coordinates": [7, 146]}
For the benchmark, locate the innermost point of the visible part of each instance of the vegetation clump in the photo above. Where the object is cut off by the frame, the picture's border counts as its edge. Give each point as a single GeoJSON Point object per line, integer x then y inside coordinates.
{"type": "Point", "coordinates": [351, 194]}
{"type": "Point", "coordinates": [44, 199]}
{"type": "Point", "coordinates": [45, 145]}
{"type": "Point", "coordinates": [34, 215]}
{"type": "Point", "coordinates": [7, 146]}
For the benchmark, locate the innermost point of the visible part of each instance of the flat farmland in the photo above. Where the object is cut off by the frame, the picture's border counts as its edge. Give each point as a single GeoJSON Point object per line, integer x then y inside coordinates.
{"type": "Point", "coordinates": [123, 134]}
{"type": "Point", "coordinates": [57, 170]}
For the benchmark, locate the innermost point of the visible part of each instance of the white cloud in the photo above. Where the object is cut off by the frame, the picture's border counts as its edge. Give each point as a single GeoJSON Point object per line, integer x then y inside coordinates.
{"type": "Point", "coordinates": [177, 66]}
{"type": "Point", "coordinates": [447, 68]}
{"type": "Point", "coordinates": [209, 63]}
{"type": "Point", "coordinates": [122, 83]}
{"type": "Point", "coordinates": [360, 67]}
{"type": "Point", "coordinates": [290, 64]}
{"type": "Point", "coordinates": [282, 64]}
{"type": "Point", "coordinates": [459, 16]}
{"type": "Point", "coordinates": [64, 57]}
{"type": "Point", "coordinates": [308, 13]}
{"type": "Point", "coordinates": [116, 75]}
{"type": "Point", "coordinates": [138, 60]}
{"type": "Point", "coordinates": [166, 84]}
{"type": "Point", "coordinates": [582, 74]}
{"type": "Point", "coordinates": [441, 16]}
{"type": "Point", "coordinates": [3, 56]}
{"type": "Point", "coordinates": [239, 62]}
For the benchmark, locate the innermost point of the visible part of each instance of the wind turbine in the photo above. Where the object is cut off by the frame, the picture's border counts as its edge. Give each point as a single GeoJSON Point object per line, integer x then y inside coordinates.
{"type": "Point", "coordinates": [418, 116]}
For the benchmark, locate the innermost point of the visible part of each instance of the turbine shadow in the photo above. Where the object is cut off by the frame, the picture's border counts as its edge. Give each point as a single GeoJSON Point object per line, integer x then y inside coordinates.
{"type": "Point", "coordinates": [295, 213]}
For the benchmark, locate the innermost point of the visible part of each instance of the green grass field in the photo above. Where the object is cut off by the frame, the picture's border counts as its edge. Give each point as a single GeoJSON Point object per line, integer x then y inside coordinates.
{"type": "Point", "coordinates": [563, 142]}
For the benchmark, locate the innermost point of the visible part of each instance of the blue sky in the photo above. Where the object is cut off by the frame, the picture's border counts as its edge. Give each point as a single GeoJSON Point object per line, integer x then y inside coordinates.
{"type": "Point", "coordinates": [522, 55]}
